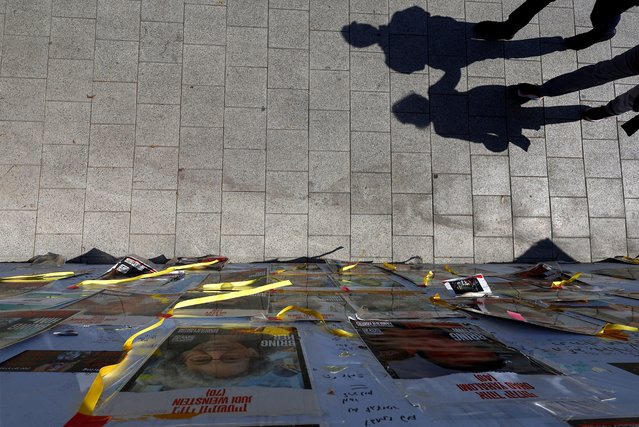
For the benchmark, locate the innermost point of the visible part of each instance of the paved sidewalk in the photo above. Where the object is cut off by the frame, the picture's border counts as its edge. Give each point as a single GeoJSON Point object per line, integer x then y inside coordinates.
{"type": "Point", "coordinates": [254, 128]}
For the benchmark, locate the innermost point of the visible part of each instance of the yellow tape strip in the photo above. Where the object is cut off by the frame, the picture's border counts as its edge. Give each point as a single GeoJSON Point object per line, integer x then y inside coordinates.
{"type": "Point", "coordinates": [450, 270]}
{"type": "Point", "coordinates": [45, 277]}
{"type": "Point", "coordinates": [147, 275]}
{"type": "Point", "coordinates": [428, 278]}
{"type": "Point", "coordinates": [616, 331]}
{"type": "Point", "coordinates": [560, 283]}
{"type": "Point", "coordinates": [97, 387]}
{"type": "Point", "coordinates": [348, 267]}
{"type": "Point", "coordinates": [317, 315]}
{"type": "Point", "coordinates": [390, 266]}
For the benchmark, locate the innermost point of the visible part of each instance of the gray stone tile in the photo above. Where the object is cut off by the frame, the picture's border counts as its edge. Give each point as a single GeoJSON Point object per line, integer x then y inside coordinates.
{"type": "Point", "coordinates": [158, 125]}
{"type": "Point", "coordinates": [285, 236]}
{"type": "Point", "coordinates": [603, 129]}
{"type": "Point", "coordinates": [21, 143]}
{"type": "Point", "coordinates": [69, 80]}
{"type": "Point", "coordinates": [155, 168]}
{"type": "Point", "coordinates": [287, 109]}
{"type": "Point", "coordinates": [329, 172]}
{"type": "Point", "coordinates": [369, 72]}
{"type": "Point", "coordinates": [201, 148]}
{"type": "Point", "coordinates": [601, 159]}
{"type": "Point", "coordinates": [329, 90]}
{"type": "Point", "coordinates": [632, 217]}
{"type": "Point", "coordinates": [607, 238]}
{"type": "Point", "coordinates": [564, 139]}
{"type": "Point", "coordinates": [370, 152]}
{"type": "Point", "coordinates": [369, 6]}
{"type": "Point", "coordinates": [577, 248]}
{"type": "Point", "coordinates": [328, 14]}
{"type": "Point", "coordinates": [287, 150]}
{"type": "Point", "coordinates": [245, 128]}
{"type": "Point", "coordinates": [108, 189]}
{"type": "Point", "coordinates": [404, 90]}
{"type": "Point", "coordinates": [245, 87]}
{"type": "Point", "coordinates": [493, 249]}
{"type": "Point", "coordinates": [569, 217]}
{"type": "Point", "coordinates": [113, 103]}
{"type": "Point", "coordinates": [490, 175]}
{"type": "Point", "coordinates": [24, 56]}
{"type": "Point", "coordinates": [112, 145]}
{"type": "Point", "coordinates": [566, 177]}
{"type": "Point", "coordinates": [17, 230]}
{"type": "Point", "coordinates": [287, 69]}
{"type": "Point", "coordinates": [289, 4]}
{"type": "Point", "coordinates": [67, 245]}
{"type": "Point", "coordinates": [528, 232]}
{"type": "Point", "coordinates": [288, 29]}
{"type": "Point", "coordinates": [412, 173]}
{"type": "Point", "coordinates": [286, 192]}
{"type": "Point", "coordinates": [531, 162]}
{"type": "Point", "coordinates": [28, 17]}
{"type": "Point", "coordinates": [75, 8]}
{"type": "Point", "coordinates": [153, 212]}
{"type": "Point", "coordinates": [19, 187]}
{"type": "Point", "coordinates": [152, 245]}
{"type": "Point", "coordinates": [161, 42]}
{"type": "Point", "coordinates": [247, 13]}
{"type": "Point", "coordinates": [60, 211]}
{"type": "Point", "coordinates": [244, 170]}
{"type": "Point", "coordinates": [243, 248]}
{"type": "Point", "coordinates": [412, 214]}
{"type": "Point", "coordinates": [64, 166]}
{"type": "Point", "coordinates": [595, 53]}
{"type": "Point", "coordinates": [556, 22]}
{"type": "Point", "coordinates": [328, 51]}
{"type": "Point", "coordinates": [557, 63]}
{"type": "Point", "coordinates": [450, 155]}
{"type": "Point", "coordinates": [118, 20]}
{"type": "Point", "coordinates": [202, 106]}
{"type": "Point", "coordinates": [405, 247]}
{"type": "Point", "coordinates": [489, 135]}
{"type": "Point", "coordinates": [605, 197]}
{"type": "Point", "coordinates": [371, 236]}
{"type": "Point", "coordinates": [493, 216]}
{"type": "Point", "coordinates": [159, 83]}
{"type": "Point", "coordinates": [329, 214]}
{"type": "Point", "coordinates": [625, 33]}
{"type": "Point", "coordinates": [370, 111]}
{"type": "Point", "coordinates": [371, 193]}
{"type": "Point", "coordinates": [108, 231]}
{"type": "Point", "coordinates": [408, 138]}
{"type": "Point", "coordinates": [329, 130]}
{"type": "Point", "coordinates": [627, 146]}
{"type": "Point", "coordinates": [116, 61]}
{"type": "Point", "coordinates": [518, 71]}
{"type": "Point", "coordinates": [486, 60]}
{"type": "Point", "coordinates": [242, 213]}
{"type": "Point", "coordinates": [72, 38]}
{"type": "Point", "coordinates": [630, 170]}
{"type": "Point", "coordinates": [453, 236]}
{"type": "Point", "coordinates": [530, 196]}
{"type": "Point", "coordinates": [203, 65]}
{"type": "Point", "coordinates": [633, 247]}
{"type": "Point", "coordinates": [199, 190]}
{"type": "Point", "coordinates": [246, 46]}
{"type": "Point", "coordinates": [163, 11]}
{"type": "Point", "coordinates": [318, 245]}
{"type": "Point", "coordinates": [452, 194]}
{"type": "Point", "coordinates": [204, 24]}
{"type": "Point", "coordinates": [453, 260]}
{"type": "Point", "coordinates": [197, 234]}
{"type": "Point", "coordinates": [22, 99]}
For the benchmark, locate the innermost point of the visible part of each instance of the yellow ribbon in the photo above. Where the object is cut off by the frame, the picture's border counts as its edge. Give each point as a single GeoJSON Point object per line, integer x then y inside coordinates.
{"type": "Point", "coordinates": [147, 275]}
{"type": "Point", "coordinates": [450, 270]}
{"type": "Point", "coordinates": [558, 284]}
{"type": "Point", "coordinates": [348, 267]}
{"type": "Point", "coordinates": [616, 331]}
{"type": "Point", "coordinates": [318, 316]}
{"type": "Point", "coordinates": [632, 260]}
{"type": "Point", "coordinates": [428, 278]}
{"type": "Point", "coordinates": [390, 266]}
{"type": "Point", "coordinates": [97, 387]}
{"type": "Point", "coordinates": [45, 277]}
{"type": "Point", "coordinates": [228, 286]}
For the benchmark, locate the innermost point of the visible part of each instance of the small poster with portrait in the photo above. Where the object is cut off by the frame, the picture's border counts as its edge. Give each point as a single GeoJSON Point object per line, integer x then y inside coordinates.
{"type": "Point", "coordinates": [473, 286]}
{"type": "Point", "coordinates": [226, 371]}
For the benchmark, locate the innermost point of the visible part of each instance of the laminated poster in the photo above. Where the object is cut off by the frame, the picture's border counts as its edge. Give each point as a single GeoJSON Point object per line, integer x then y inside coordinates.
{"type": "Point", "coordinates": [16, 326]}
{"type": "Point", "coordinates": [222, 371]}
{"type": "Point", "coordinates": [331, 305]}
{"type": "Point", "coordinates": [397, 305]}
{"type": "Point", "coordinates": [40, 300]}
{"type": "Point", "coordinates": [248, 306]}
{"type": "Point", "coordinates": [473, 286]}
{"type": "Point", "coordinates": [11, 289]}
{"type": "Point", "coordinates": [61, 361]}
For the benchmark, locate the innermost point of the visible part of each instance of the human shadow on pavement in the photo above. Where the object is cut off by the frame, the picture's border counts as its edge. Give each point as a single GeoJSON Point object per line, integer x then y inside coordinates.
{"type": "Point", "coordinates": [488, 114]}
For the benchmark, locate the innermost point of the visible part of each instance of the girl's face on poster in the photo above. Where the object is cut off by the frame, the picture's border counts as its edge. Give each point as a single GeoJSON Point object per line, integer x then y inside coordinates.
{"type": "Point", "coordinates": [220, 357]}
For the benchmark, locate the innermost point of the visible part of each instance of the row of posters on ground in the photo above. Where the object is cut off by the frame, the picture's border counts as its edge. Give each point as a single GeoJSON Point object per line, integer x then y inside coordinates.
{"type": "Point", "coordinates": [207, 342]}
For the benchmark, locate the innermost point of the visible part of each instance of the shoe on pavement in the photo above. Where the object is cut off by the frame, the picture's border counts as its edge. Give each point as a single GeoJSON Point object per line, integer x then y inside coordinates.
{"type": "Point", "coordinates": [597, 113]}
{"type": "Point", "coordinates": [587, 39]}
{"type": "Point", "coordinates": [526, 90]}
{"type": "Point", "coordinates": [492, 30]}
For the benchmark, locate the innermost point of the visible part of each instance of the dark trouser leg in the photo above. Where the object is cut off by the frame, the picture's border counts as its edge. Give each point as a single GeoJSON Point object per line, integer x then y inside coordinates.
{"type": "Point", "coordinates": [606, 14]}
{"type": "Point", "coordinates": [524, 13]}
